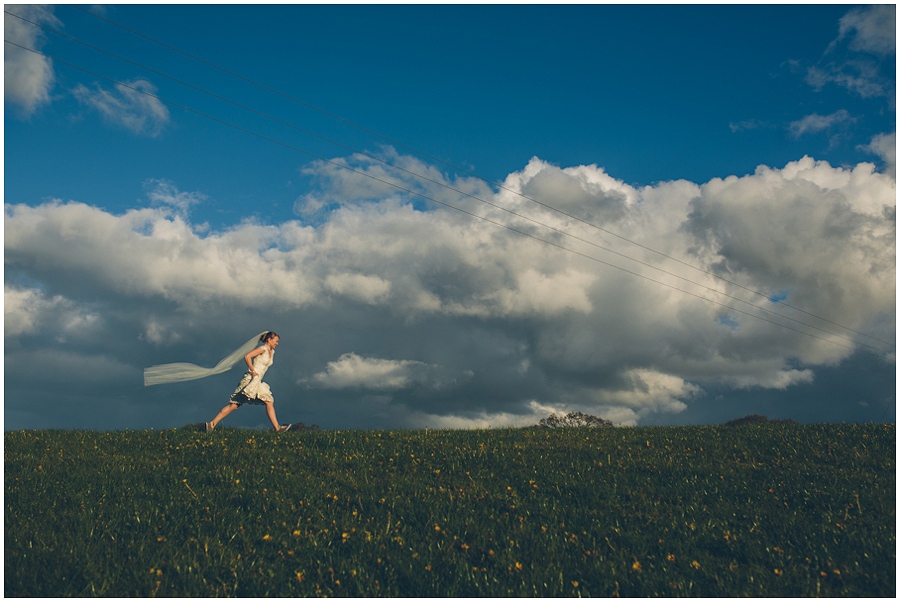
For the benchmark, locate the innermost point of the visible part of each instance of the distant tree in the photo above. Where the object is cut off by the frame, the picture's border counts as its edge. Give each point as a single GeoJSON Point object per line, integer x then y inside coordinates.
{"type": "Point", "coordinates": [573, 420]}
{"type": "Point", "coordinates": [758, 419]}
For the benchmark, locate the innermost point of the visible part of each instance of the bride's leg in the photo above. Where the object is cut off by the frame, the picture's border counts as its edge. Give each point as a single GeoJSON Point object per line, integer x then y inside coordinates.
{"type": "Point", "coordinates": [270, 411]}
{"type": "Point", "coordinates": [228, 409]}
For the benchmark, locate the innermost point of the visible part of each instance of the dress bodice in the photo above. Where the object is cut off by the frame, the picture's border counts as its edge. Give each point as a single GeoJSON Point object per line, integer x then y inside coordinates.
{"type": "Point", "coordinates": [262, 362]}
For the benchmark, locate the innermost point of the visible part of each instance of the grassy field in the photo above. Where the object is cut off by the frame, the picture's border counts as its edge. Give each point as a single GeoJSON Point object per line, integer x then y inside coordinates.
{"type": "Point", "coordinates": [757, 510]}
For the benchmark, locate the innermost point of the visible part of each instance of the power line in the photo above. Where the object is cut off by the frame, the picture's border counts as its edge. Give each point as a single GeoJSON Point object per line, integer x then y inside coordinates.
{"type": "Point", "coordinates": [470, 173]}
{"type": "Point", "coordinates": [500, 224]}
{"type": "Point", "coordinates": [426, 178]}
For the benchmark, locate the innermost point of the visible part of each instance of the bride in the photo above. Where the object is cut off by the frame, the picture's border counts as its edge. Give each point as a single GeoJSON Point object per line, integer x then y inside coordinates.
{"type": "Point", "coordinates": [251, 389]}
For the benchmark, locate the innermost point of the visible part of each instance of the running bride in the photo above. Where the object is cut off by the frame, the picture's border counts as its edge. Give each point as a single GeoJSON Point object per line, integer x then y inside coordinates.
{"type": "Point", "coordinates": [251, 390]}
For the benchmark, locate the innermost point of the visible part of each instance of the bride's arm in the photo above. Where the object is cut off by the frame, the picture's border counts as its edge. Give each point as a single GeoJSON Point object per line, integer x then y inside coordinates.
{"type": "Point", "coordinates": [249, 358]}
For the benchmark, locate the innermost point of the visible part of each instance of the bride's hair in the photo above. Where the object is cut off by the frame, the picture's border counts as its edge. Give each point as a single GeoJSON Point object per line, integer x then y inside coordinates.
{"type": "Point", "coordinates": [266, 336]}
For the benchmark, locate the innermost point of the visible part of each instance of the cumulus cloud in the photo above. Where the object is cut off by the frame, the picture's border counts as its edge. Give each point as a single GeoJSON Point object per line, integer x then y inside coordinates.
{"type": "Point", "coordinates": [394, 312]}
{"type": "Point", "coordinates": [27, 311]}
{"type": "Point", "coordinates": [127, 105]}
{"type": "Point", "coordinates": [28, 78]}
{"type": "Point", "coordinates": [351, 371]}
{"type": "Point", "coordinates": [885, 147]}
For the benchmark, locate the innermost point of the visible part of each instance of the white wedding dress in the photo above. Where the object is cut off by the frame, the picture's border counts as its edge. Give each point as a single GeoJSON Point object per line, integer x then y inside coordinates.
{"type": "Point", "coordinates": [252, 389]}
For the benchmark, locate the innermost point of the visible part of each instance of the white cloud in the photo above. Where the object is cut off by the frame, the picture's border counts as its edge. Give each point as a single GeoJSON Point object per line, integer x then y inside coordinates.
{"type": "Point", "coordinates": [871, 29]}
{"type": "Point", "coordinates": [775, 380]}
{"type": "Point", "coordinates": [165, 193]}
{"type": "Point", "coordinates": [814, 123]}
{"type": "Point", "coordinates": [546, 294]}
{"type": "Point", "coordinates": [21, 310]}
{"type": "Point", "coordinates": [640, 392]}
{"type": "Point", "coordinates": [370, 289]}
{"type": "Point", "coordinates": [885, 147]}
{"type": "Point", "coordinates": [858, 76]}
{"type": "Point", "coordinates": [28, 311]}
{"type": "Point", "coordinates": [869, 34]}
{"type": "Point", "coordinates": [28, 78]}
{"type": "Point", "coordinates": [481, 420]}
{"type": "Point", "coordinates": [351, 371]}
{"type": "Point", "coordinates": [159, 334]}
{"type": "Point", "coordinates": [127, 105]}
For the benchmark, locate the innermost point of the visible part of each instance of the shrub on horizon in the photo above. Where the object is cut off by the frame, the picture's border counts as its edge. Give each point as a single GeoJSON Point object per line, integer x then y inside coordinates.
{"type": "Point", "coordinates": [573, 420]}
{"type": "Point", "coordinates": [758, 419]}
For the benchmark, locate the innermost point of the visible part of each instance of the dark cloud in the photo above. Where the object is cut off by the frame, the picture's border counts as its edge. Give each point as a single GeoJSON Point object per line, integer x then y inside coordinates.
{"type": "Point", "coordinates": [396, 314]}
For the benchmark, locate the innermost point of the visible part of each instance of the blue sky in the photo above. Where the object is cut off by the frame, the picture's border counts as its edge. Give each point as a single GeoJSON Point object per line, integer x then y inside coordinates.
{"type": "Point", "coordinates": [756, 142]}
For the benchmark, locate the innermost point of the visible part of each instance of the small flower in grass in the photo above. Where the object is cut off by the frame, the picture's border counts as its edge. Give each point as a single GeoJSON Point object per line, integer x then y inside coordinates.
{"type": "Point", "coordinates": [437, 528]}
{"type": "Point", "coordinates": [299, 575]}
{"type": "Point", "coordinates": [636, 566]}
{"type": "Point", "coordinates": [267, 537]}
{"type": "Point", "coordinates": [296, 532]}
{"type": "Point", "coordinates": [778, 572]}
{"type": "Point", "coordinates": [695, 564]}
{"type": "Point", "coordinates": [671, 557]}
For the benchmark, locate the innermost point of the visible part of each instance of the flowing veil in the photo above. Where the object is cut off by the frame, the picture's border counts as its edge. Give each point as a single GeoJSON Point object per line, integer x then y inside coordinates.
{"type": "Point", "coordinates": [173, 373]}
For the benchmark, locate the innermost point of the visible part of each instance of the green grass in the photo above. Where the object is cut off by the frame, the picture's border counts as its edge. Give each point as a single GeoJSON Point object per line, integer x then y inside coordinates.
{"type": "Point", "coordinates": [758, 510]}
